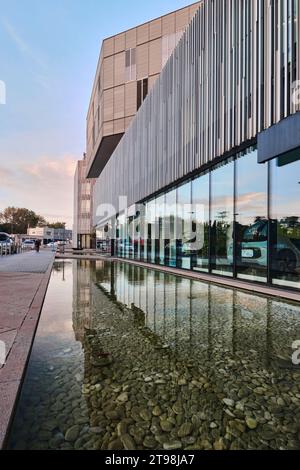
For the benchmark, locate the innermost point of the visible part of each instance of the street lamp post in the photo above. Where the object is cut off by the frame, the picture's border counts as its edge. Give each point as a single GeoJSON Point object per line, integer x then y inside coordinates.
{"type": "Point", "coordinates": [64, 238]}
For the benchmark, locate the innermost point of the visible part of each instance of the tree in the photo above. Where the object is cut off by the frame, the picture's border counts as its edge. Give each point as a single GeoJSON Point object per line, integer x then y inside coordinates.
{"type": "Point", "coordinates": [19, 219]}
{"type": "Point", "coordinates": [56, 225]}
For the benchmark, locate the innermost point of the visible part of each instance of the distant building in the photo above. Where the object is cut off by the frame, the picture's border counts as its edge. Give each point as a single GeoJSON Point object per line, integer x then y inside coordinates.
{"type": "Point", "coordinates": [48, 234]}
{"type": "Point", "coordinates": [45, 233]}
{"type": "Point", "coordinates": [83, 207]}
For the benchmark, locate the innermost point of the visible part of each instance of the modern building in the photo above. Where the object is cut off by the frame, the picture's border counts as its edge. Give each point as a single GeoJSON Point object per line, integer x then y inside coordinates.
{"type": "Point", "coordinates": [83, 207]}
{"type": "Point", "coordinates": [47, 234]}
{"type": "Point", "coordinates": [42, 233]}
{"type": "Point", "coordinates": [128, 66]}
{"type": "Point", "coordinates": [215, 151]}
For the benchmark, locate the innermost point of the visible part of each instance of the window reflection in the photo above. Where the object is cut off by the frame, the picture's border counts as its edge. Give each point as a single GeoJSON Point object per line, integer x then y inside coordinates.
{"type": "Point", "coordinates": [251, 228]}
{"type": "Point", "coordinates": [218, 223]}
{"type": "Point", "coordinates": [285, 220]}
{"type": "Point", "coordinates": [222, 192]}
{"type": "Point", "coordinates": [159, 221]}
{"type": "Point", "coordinates": [200, 201]}
{"type": "Point", "coordinates": [170, 226]}
{"type": "Point", "coordinates": [184, 219]}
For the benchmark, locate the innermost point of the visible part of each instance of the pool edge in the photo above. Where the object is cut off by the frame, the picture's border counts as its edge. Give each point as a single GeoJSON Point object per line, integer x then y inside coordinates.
{"type": "Point", "coordinates": [20, 354]}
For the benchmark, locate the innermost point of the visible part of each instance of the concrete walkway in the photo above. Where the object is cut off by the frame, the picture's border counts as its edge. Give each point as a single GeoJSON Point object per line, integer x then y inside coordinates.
{"type": "Point", "coordinates": [23, 284]}
{"type": "Point", "coordinates": [29, 262]}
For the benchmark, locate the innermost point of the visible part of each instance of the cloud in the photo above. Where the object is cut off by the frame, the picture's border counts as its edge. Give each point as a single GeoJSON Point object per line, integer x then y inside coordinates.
{"type": "Point", "coordinates": [45, 186]}
{"type": "Point", "coordinates": [28, 52]}
{"type": "Point", "coordinates": [22, 45]}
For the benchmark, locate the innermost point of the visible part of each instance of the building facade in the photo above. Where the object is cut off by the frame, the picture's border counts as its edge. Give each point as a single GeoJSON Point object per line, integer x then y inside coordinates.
{"type": "Point", "coordinates": [207, 177]}
{"type": "Point", "coordinates": [48, 234]}
{"type": "Point", "coordinates": [83, 207]}
{"type": "Point", "coordinates": [128, 66]}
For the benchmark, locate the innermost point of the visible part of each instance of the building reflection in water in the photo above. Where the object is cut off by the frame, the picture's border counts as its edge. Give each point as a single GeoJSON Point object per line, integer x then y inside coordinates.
{"type": "Point", "coordinates": [146, 353]}
{"type": "Point", "coordinates": [191, 317]}
{"type": "Point", "coordinates": [83, 280]}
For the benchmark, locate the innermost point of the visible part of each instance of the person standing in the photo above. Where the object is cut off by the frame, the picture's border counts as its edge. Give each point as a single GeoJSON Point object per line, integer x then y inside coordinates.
{"type": "Point", "coordinates": [37, 245]}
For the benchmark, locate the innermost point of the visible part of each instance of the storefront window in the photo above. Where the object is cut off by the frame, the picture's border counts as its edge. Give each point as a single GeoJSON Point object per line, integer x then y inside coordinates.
{"type": "Point", "coordinates": [150, 229]}
{"type": "Point", "coordinates": [143, 233]}
{"type": "Point", "coordinates": [170, 229]}
{"type": "Point", "coordinates": [159, 220]}
{"type": "Point", "coordinates": [184, 221]}
{"type": "Point", "coordinates": [200, 204]}
{"type": "Point", "coordinates": [222, 192]}
{"type": "Point", "coordinates": [285, 220]}
{"type": "Point", "coordinates": [251, 228]}
{"type": "Point", "coordinates": [128, 245]}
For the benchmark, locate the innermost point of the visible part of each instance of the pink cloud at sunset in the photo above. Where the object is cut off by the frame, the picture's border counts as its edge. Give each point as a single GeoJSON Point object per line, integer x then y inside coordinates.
{"type": "Point", "coordinates": [45, 186]}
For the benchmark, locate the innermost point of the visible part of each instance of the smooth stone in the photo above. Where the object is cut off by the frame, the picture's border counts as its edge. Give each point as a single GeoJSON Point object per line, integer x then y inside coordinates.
{"type": "Point", "coordinates": [116, 444]}
{"type": "Point", "coordinates": [95, 430]}
{"type": "Point", "coordinates": [182, 382]}
{"type": "Point", "coordinates": [172, 445]}
{"type": "Point", "coordinates": [128, 442]}
{"type": "Point", "coordinates": [122, 428]}
{"type": "Point", "coordinates": [72, 433]}
{"type": "Point", "coordinates": [149, 442]}
{"type": "Point", "coordinates": [145, 415]}
{"type": "Point", "coordinates": [228, 402]}
{"type": "Point", "coordinates": [123, 398]}
{"type": "Point", "coordinates": [166, 425]}
{"type": "Point", "coordinates": [251, 423]}
{"type": "Point", "coordinates": [112, 415]}
{"type": "Point", "coordinates": [177, 408]}
{"type": "Point", "coordinates": [206, 445]}
{"type": "Point", "coordinates": [185, 430]}
{"type": "Point", "coordinates": [156, 411]}
{"type": "Point", "coordinates": [259, 391]}
{"type": "Point", "coordinates": [219, 444]}
{"type": "Point", "coordinates": [49, 425]}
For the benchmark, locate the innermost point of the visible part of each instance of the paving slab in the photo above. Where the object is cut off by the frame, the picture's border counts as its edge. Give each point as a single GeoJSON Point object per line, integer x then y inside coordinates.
{"type": "Point", "coordinates": [28, 262]}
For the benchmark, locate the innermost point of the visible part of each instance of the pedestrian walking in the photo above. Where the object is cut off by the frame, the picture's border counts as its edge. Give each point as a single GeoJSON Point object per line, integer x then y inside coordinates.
{"type": "Point", "coordinates": [37, 245]}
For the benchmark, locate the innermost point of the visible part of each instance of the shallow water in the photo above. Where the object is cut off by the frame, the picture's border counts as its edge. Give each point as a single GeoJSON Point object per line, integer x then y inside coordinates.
{"type": "Point", "coordinates": [127, 357]}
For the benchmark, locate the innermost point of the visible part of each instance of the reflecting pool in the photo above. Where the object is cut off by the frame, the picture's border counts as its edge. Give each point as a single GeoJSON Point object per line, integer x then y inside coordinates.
{"type": "Point", "coordinates": [130, 358]}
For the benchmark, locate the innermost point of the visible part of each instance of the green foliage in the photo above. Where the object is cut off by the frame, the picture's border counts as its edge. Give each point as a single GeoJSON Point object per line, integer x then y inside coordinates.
{"type": "Point", "coordinates": [56, 225]}
{"type": "Point", "coordinates": [18, 220]}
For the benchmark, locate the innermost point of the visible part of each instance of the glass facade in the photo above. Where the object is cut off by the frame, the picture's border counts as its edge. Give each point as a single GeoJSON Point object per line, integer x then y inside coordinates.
{"type": "Point", "coordinates": [221, 232]}
{"type": "Point", "coordinates": [170, 220]}
{"type": "Point", "coordinates": [201, 217]}
{"type": "Point", "coordinates": [285, 220]}
{"type": "Point", "coordinates": [239, 219]}
{"type": "Point", "coordinates": [184, 220]}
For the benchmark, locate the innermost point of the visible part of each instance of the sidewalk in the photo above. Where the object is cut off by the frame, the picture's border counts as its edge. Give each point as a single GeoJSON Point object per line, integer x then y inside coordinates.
{"type": "Point", "coordinates": [23, 284]}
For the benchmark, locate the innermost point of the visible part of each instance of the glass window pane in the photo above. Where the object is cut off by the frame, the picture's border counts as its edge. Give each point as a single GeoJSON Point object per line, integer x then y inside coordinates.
{"type": "Point", "coordinates": [285, 215]}
{"type": "Point", "coordinates": [200, 201]}
{"type": "Point", "coordinates": [143, 234]}
{"type": "Point", "coordinates": [150, 208]}
{"type": "Point", "coordinates": [251, 218]}
{"type": "Point", "coordinates": [160, 242]}
{"type": "Point", "coordinates": [222, 219]}
{"type": "Point", "coordinates": [184, 222]}
{"type": "Point", "coordinates": [170, 229]}
{"type": "Point", "coordinates": [136, 236]}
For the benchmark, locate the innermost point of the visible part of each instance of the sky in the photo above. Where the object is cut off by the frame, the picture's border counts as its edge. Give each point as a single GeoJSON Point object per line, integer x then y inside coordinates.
{"type": "Point", "coordinates": [49, 51]}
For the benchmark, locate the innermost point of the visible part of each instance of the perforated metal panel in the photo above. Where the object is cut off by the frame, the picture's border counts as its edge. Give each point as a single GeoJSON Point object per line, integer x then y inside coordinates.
{"type": "Point", "coordinates": [229, 78]}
